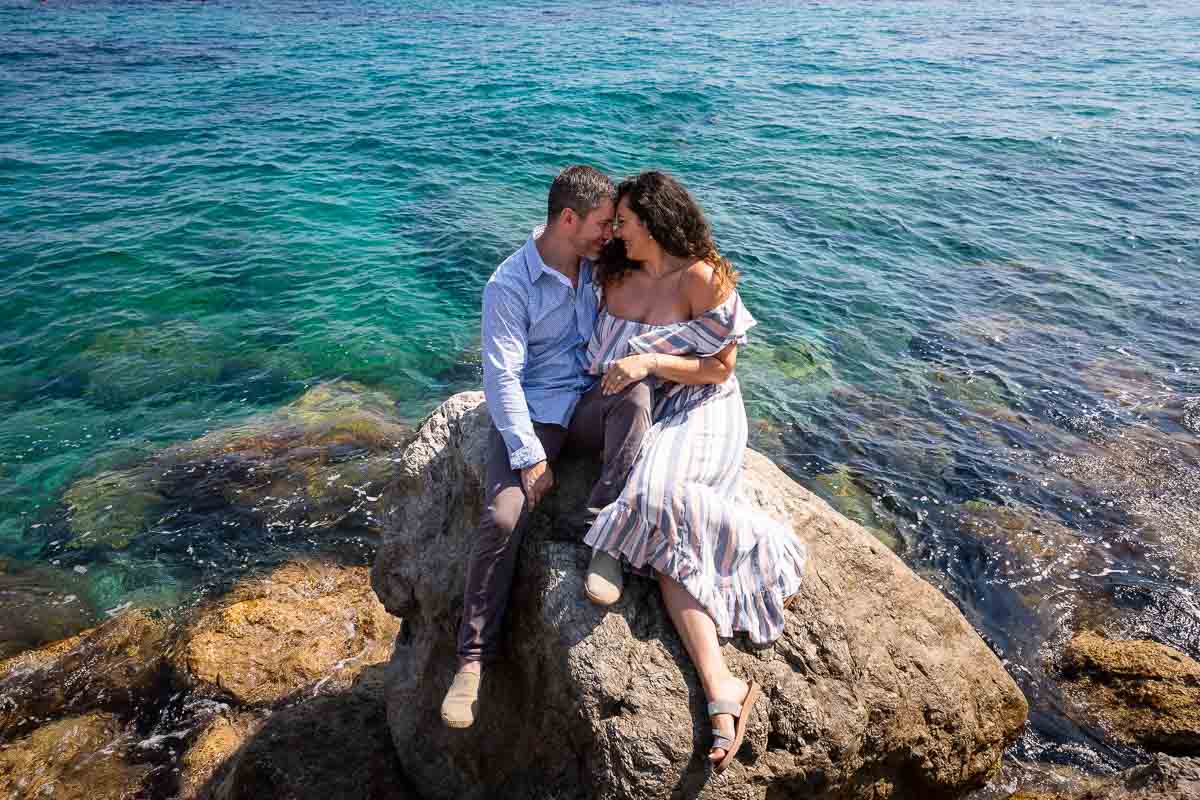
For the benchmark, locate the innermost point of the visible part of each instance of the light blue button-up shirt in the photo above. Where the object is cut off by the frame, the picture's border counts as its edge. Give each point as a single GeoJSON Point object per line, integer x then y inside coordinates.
{"type": "Point", "coordinates": [536, 327]}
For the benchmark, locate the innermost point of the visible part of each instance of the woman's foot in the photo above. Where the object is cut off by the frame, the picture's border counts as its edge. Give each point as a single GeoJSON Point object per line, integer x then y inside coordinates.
{"type": "Point", "coordinates": [732, 690]}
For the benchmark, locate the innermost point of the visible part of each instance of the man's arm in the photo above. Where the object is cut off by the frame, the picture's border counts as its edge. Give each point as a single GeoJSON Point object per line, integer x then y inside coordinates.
{"type": "Point", "coordinates": [504, 346]}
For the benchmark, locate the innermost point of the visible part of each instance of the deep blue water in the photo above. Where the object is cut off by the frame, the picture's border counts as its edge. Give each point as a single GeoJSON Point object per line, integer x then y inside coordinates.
{"type": "Point", "coordinates": [969, 231]}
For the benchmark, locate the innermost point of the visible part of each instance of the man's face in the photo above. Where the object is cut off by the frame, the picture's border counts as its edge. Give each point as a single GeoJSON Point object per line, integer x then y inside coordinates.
{"type": "Point", "coordinates": [593, 231]}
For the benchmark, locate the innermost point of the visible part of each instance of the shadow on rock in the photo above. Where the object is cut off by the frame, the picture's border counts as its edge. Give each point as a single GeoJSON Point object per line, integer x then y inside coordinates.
{"type": "Point", "coordinates": [332, 747]}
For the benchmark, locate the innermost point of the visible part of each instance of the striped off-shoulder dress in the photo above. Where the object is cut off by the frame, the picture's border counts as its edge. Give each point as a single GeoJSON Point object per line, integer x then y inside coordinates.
{"type": "Point", "coordinates": [678, 515]}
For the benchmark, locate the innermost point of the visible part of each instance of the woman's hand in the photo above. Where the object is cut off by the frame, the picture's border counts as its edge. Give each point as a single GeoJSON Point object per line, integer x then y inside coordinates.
{"type": "Point", "coordinates": [627, 371]}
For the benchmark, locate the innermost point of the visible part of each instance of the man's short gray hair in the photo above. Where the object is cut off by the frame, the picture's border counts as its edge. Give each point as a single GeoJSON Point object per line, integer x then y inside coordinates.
{"type": "Point", "coordinates": [580, 188]}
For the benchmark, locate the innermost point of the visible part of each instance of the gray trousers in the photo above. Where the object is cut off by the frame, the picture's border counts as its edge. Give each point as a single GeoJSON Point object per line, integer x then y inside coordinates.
{"type": "Point", "coordinates": [612, 426]}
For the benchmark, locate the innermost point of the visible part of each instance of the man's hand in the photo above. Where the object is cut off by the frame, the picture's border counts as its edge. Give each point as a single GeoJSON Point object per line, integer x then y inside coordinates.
{"type": "Point", "coordinates": [536, 481]}
{"type": "Point", "coordinates": [626, 371]}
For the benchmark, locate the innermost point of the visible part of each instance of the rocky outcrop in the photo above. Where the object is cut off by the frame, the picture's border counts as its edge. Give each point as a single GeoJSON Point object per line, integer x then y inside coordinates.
{"type": "Point", "coordinates": [268, 677]}
{"type": "Point", "coordinates": [878, 688]}
{"type": "Point", "coordinates": [1141, 692]}
{"type": "Point", "coordinates": [306, 625]}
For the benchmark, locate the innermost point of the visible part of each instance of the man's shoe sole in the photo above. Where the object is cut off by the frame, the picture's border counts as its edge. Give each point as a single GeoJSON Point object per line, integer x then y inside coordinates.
{"type": "Point", "coordinates": [603, 603]}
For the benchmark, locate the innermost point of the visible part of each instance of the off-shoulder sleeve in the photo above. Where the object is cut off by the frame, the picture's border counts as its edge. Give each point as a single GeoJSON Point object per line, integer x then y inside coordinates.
{"type": "Point", "coordinates": [706, 335]}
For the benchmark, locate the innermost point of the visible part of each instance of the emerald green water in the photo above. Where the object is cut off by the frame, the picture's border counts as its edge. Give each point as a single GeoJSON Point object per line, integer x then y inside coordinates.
{"type": "Point", "coordinates": [969, 232]}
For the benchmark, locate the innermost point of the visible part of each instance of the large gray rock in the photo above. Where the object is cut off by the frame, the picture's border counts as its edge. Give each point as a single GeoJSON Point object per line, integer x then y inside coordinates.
{"type": "Point", "coordinates": [878, 688]}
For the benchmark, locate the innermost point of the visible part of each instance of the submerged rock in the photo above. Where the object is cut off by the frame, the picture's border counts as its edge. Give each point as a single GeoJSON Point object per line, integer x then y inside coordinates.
{"type": "Point", "coordinates": [987, 394]}
{"type": "Point", "coordinates": [41, 604]}
{"type": "Point", "coordinates": [907, 444]}
{"type": "Point", "coordinates": [1155, 481]}
{"type": "Point", "coordinates": [839, 488]}
{"type": "Point", "coordinates": [799, 360]}
{"type": "Point", "coordinates": [1037, 550]}
{"type": "Point", "coordinates": [111, 508]}
{"type": "Point", "coordinates": [878, 687]}
{"type": "Point", "coordinates": [1141, 692]}
{"type": "Point", "coordinates": [780, 375]}
{"type": "Point", "coordinates": [81, 758]}
{"type": "Point", "coordinates": [1163, 778]}
{"type": "Point", "coordinates": [317, 463]}
{"type": "Point", "coordinates": [124, 365]}
{"type": "Point", "coordinates": [306, 626]}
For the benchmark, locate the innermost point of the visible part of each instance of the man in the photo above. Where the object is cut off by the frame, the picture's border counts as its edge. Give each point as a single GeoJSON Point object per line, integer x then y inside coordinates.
{"type": "Point", "coordinates": [539, 308]}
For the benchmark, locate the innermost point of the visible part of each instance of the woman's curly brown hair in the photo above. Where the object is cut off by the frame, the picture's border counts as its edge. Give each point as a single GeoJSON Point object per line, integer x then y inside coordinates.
{"type": "Point", "coordinates": [675, 221]}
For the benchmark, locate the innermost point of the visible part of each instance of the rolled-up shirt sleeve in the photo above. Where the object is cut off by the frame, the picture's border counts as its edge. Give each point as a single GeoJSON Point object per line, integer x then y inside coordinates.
{"type": "Point", "coordinates": [505, 333]}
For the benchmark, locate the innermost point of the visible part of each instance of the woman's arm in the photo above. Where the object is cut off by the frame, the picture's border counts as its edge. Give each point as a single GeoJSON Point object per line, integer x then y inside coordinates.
{"type": "Point", "coordinates": [678, 369]}
{"type": "Point", "coordinates": [702, 295]}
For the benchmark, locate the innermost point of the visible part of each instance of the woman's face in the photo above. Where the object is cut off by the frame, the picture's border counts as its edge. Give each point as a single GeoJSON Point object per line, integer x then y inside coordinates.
{"type": "Point", "coordinates": [629, 229]}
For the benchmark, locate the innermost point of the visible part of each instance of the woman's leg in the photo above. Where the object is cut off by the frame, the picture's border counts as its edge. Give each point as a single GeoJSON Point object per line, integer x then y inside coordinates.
{"type": "Point", "coordinates": [699, 634]}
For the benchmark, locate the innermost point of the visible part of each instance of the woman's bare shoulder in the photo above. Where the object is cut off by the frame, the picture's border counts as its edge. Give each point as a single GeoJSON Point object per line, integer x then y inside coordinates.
{"type": "Point", "coordinates": [702, 289]}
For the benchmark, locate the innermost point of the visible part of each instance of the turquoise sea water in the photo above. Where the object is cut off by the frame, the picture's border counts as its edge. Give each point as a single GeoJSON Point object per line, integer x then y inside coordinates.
{"type": "Point", "coordinates": [969, 231]}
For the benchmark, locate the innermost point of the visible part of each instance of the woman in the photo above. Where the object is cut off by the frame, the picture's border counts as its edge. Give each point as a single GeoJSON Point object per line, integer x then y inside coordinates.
{"type": "Point", "coordinates": [666, 293]}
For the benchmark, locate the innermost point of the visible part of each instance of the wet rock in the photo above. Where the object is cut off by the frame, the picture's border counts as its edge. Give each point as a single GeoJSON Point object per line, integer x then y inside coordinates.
{"type": "Point", "coordinates": [307, 626]}
{"type": "Point", "coordinates": [878, 687]}
{"type": "Point", "coordinates": [212, 751]}
{"type": "Point", "coordinates": [1190, 416]}
{"type": "Point", "coordinates": [31, 660]}
{"type": "Point", "coordinates": [335, 747]}
{"type": "Point", "coordinates": [118, 667]}
{"type": "Point", "coordinates": [1034, 780]}
{"type": "Point", "coordinates": [1141, 692]}
{"type": "Point", "coordinates": [81, 758]}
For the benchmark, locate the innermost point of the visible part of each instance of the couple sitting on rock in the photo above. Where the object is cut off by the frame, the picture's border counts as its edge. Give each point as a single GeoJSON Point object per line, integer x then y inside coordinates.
{"type": "Point", "coordinates": [624, 284]}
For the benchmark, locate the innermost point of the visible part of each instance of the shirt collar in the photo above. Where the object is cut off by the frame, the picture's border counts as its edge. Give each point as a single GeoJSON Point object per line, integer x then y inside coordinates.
{"type": "Point", "coordinates": [537, 267]}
